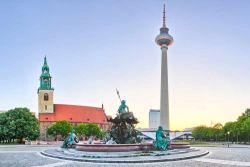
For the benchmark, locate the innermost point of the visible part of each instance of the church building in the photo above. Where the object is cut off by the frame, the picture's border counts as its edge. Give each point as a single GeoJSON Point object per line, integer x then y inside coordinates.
{"type": "Point", "coordinates": [48, 112]}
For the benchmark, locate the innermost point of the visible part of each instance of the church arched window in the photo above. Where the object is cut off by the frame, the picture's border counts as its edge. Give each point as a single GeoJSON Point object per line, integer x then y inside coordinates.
{"type": "Point", "coordinates": [46, 97]}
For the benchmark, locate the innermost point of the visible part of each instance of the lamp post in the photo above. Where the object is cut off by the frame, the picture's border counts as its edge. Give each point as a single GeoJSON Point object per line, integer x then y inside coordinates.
{"type": "Point", "coordinates": [228, 133]}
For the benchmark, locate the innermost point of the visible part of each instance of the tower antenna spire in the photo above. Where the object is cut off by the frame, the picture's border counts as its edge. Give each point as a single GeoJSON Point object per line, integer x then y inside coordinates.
{"type": "Point", "coordinates": [164, 16]}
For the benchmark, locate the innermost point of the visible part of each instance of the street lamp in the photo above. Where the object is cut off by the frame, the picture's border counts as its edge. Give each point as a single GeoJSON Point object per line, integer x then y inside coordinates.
{"type": "Point", "coordinates": [228, 133]}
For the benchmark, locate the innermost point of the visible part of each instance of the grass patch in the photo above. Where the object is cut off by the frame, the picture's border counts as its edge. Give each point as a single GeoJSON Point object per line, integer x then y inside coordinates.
{"type": "Point", "coordinates": [14, 143]}
{"type": "Point", "coordinates": [180, 142]}
{"type": "Point", "coordinates": [205, 144]}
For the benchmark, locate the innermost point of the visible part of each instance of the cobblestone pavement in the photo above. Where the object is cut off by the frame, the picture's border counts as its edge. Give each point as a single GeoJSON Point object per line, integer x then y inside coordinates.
{"type": "Point", "coordinates": [29, 156]}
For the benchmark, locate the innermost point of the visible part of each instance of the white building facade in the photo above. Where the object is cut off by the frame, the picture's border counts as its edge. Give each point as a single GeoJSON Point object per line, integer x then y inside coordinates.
{"type": "Point", "coordinates": [154, 118]}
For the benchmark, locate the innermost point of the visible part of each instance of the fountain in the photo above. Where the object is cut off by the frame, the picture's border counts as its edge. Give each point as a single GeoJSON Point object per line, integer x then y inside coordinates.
{"type": "Point", "coordinates": [123, 145]}
{"type": "Point", "coordinates": [122, 136]}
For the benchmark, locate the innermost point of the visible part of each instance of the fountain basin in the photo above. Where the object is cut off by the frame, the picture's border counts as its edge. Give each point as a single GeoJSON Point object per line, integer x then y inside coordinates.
{"type": "Point", "coordinates": [123, 147]}
{"type": "Point", "coordinates": [113, 147]}
{"type": "Point", "coordinates": [179, 145]}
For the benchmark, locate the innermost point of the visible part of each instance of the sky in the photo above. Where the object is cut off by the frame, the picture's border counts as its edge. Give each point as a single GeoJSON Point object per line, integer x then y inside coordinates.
{"type": "Point", "coordinates": [94, 47]}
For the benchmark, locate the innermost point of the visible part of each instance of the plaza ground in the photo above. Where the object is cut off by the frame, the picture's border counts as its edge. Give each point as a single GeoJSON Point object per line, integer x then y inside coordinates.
{"type": "Point", "coordinates": [29, 156]}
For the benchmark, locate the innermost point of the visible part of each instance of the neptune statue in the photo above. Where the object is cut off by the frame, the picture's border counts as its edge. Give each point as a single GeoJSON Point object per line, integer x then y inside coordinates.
{"type": "Point", "coordinates": [123, 125]}
{"type": "Point", "coordinates": [123, 107]}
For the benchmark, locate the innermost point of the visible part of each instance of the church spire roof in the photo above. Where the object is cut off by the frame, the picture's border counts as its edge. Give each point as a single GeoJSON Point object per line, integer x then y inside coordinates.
{"type": "Point", "coordinates": [45, 60]}
{"type": "Point", "coordinates": [45, 78]}
{"type": "Point", "coordinates": [45, 68]}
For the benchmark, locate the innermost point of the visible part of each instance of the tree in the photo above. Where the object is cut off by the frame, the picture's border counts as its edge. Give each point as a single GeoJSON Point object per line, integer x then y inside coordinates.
{"type": "Point", "coordinates": [3, 130]}
{"type": "Point", "coordinates": [200, 132]}
{"type": "Point", "coordinates": [102, 134]}
{"type": "Point", "coordinates": [228, 127]}
{"type": "Point", "coordinates": [218, 131]}
{"type": "Point", "coordinates": [92, 130]}
{"type": "Point", "coordinates": [62, 128]}
{"type": "Point", "coordinates": [246, 128]}
{"type": "Point", "coordinates": [88, 129]}
{"type": "Point", "coordinates": [80, 129]}
{"type": "Point", "coordinates": [244, 115]}
{"type": "Point", "coordinates": [210, 133]}
{"type": "Point", "coordinates": [20, 124]}
{"type": "Point", "coordinates": [237, 131]}
{"type": "Point", "coordinates": [241, 125]}
{"type": "Point", "coordinates": [218, 126]}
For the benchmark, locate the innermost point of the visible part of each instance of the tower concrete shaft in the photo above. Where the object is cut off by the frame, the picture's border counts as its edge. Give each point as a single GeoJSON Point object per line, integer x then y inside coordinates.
{"type": "Point", "coordinates": [164, 103]}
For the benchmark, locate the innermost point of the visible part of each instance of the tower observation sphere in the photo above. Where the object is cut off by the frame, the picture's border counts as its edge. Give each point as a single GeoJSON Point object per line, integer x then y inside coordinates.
{"type": "Point", "coordinates": [164, 40]}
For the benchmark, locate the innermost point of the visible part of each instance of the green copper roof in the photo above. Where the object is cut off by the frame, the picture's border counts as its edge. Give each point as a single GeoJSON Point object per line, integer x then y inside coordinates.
{"type": "Point", "coordinates": [45, 78]}
{"type": "Point", "coordinates": [45, 68]}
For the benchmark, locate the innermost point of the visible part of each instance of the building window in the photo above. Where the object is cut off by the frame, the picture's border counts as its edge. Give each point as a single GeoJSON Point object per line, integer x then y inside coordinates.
{"type": "Point", "coordinates": [45, 107]}
{"type": "Point", "coordinates": [46, 97]}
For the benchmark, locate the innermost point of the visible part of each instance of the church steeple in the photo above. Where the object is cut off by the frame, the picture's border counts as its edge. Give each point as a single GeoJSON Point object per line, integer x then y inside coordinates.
{"type": "Point", "coordinates": [45, 91]}
{"type": "Point", "coordinates": [45, 78]}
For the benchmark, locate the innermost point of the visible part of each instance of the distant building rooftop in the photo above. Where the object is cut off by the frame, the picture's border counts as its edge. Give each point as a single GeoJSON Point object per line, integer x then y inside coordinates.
{"type": "Point", "coordinates": [75, 113]}
{"type": "Point", "coordinates": [154, 110]}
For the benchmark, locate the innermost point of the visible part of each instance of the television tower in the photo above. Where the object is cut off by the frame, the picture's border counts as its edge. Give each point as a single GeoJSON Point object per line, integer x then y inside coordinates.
{"type": "Point", "coordinates": [164, 40]}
